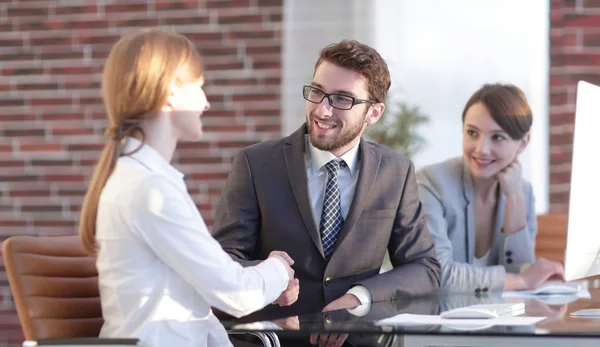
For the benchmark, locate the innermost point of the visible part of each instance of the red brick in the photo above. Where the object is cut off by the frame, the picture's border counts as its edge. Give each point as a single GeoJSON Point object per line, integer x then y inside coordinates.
{"type": "Point", "coordinates": [17, 56]}
{"type": "Point", "coordinates": [192, 19]}
{"type": "Point", "coordinates": [199, 160]}
{"type": "Point", "coordinates": [12, 163]}
{"type": "Point", "coordinates": [60, 55]}
{"type": "Point", "coordinates": [591, 39]}
{"type": "Point", "coordinates": [253, 34]}
{"type": "Point", "coordinates": [263, 49]}
{"type": "Point", "coordinates": [11, 102]}
{"type": "Point", "coordinates": [50, 102]}
{"type": "Point", "coordinates": [27, 71]}
{"type": "Point", "coordinates": [51, 40]}
{"type": "Point", "coordinates": [90, 101]}
{"type": "Point", "coordinates": [36, 86]}
{"type": "Point", "coordinates": [6, 42]}
{"type": "Point", "coordinates": [12, 223]}
{"type": "Point", "coordinates": [228, 52]}
{"type": "Point", "coordinates": [40, 25]}
{"type": "Point", "coordinates": [262, 113]}
{"type": "Point", "coordinates": [224, 65]}
{"type": "Point", "coordinates": [204, 36]}
{"type": "Point", "coordinates": [72, 131]}
{"type": "Point", "coordinates": [18, 178]}
{"type": "Point", "coordinates": [193, 145]}
{"type": "Point", "coordinates": [90, 38]}
{"type": "Point", "coordinates": [258, 65]}
{"type": "Point", "coordinates": [14, 11]}
{"type": "Point", "coordinates": [122, 8]}
{"type": "Point", "coordinates": [218, 114]}
{"type": "Point", "coordinates": [581, 59]}
{"type": "Point", "coordinates": [61, 116]}
{"type": "Point", "coordinates": [275, 17]}
{"type": "Point", "coordinates": [242, 128]}
{"type": "Point", "coordinates": [235, 82]}
{"type": "Point", "coordinates": [239, 19]}
{"type": "Point", "coordinates": [270, 3]}
{"type": "Point", "coordinates": [162, 5]}
{"type": "Point", "coordinates": [40, 147]}
{"type": "Point", "coordinates": [135, 22]}
{"type": "Point", "coordinates": [583, 20]}
{"type": "Point", "coordinates": [591, 4]}
{"type": "Point", "coordinates": [56, 223]}
{"type": "Point", "coordinates": [23, 132]}
{"type": "Point", "coordinates": [85, 147]}
{"type": "Point", "coordinates": [89, 8]}
{"type": "Point", "coordinates": [255, 97]}
{"type": "Point", "coordinates": [75, 70]}
{"type": "Point", "coordinates": [227, 3]}
{"type": "Point", "coordinates": [64, 178]}
{"type": "Point", "coordinates": [272, 80]}
{"type": "Point", "coordinates": [82, 84]}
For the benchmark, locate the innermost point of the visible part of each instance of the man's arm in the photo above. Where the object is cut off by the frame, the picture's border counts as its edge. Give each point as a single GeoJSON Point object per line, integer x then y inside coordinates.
{"type": "Point", "coordinates": [416, 269]}
{"type": "Point", "coordinates": [237, 217]}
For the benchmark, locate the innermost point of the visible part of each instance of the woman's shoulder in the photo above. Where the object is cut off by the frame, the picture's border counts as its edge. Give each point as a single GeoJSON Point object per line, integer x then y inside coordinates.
{"type": "Point", "coordinates": [447, 173]}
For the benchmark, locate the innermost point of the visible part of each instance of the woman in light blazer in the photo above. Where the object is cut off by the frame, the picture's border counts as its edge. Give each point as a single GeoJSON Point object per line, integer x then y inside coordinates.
{"type": "Point", "coordinates": [478, 207]}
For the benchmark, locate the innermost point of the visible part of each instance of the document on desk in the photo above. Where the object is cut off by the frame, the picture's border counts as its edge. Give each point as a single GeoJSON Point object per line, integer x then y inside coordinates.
{"type": "Point", "coordinates": [553, 289]}
{"type": "Point", "coordinates": [417, 319]}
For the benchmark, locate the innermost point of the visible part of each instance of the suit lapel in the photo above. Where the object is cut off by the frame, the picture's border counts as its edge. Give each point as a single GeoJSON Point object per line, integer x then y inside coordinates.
{"type": "Point", "coordinates": [369, 167]}
{"type": "Point", "coordinates": [294, 153]}
{"type": "Point", "coordinates": [469, 215]}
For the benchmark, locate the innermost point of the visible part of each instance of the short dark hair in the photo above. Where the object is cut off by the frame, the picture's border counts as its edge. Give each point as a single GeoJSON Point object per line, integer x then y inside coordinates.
{"type": "Point", "coordinates": [507, 105]}
{"type": "Point", "coordinates": [356, 56]}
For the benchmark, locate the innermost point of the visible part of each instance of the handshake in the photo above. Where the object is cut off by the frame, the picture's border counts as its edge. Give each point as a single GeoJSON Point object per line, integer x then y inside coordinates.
{"type": "Point", "coordinates": [290, 294]}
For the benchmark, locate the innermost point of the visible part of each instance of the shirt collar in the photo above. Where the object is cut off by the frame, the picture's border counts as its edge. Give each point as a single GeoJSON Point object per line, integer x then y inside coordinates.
{"type": "Point", "coordinates": [150, 158]}
{"type": "Point", "coordinates": [319, 158]}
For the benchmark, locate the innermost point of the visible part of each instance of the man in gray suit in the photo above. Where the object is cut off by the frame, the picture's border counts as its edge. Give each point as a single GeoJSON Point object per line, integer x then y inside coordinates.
{"type": "Point", "coordinates": [333, 201]}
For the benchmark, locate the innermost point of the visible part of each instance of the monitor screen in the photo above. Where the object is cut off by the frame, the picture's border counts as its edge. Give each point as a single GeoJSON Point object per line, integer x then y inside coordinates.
{"type": "Point", "coordinates": [582, 256]}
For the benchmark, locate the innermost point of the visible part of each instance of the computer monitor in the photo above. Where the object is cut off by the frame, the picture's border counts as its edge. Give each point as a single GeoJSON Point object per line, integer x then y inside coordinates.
{"type": "Point", "coordinates": [582, 256]}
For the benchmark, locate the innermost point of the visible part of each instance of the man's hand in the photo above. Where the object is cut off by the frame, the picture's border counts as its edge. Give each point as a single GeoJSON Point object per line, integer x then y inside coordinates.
{"type": "Point", "coordinates": [286, 260]}
{"type": "Point", "coordinates": [289, 323]}
{"type": "Point", "coordinates": [290, 294]}
{"type": "Point", "coordinates": [347, 301]}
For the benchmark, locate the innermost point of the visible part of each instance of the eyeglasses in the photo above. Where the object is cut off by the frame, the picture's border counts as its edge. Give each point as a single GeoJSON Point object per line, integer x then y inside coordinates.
{"type": "Point", "coordinates": [339, 101]}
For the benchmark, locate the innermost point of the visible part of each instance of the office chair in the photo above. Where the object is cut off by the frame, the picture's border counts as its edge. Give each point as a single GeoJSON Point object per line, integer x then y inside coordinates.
{"type": "Point", "coordinates": [55, 288]}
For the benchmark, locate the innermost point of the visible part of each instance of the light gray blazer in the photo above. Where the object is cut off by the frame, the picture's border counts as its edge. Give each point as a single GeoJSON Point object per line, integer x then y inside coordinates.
{"type": "Point", "coordinates": [446, 192]}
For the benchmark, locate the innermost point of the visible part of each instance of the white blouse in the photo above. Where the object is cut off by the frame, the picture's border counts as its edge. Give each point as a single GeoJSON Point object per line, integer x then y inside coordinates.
{"type": "Point", "coordinates": [160, 270]}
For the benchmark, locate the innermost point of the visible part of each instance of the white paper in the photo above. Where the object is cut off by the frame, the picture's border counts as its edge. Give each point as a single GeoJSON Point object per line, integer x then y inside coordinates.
{"type": "Point", "coordinates": [416, 319]}
{"type": "Point", "coordinates": [582, 293]}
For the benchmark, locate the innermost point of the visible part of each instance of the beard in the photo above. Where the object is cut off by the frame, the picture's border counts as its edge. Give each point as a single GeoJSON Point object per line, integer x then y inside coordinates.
{"type": "Point", "coordinates": [335, 141]}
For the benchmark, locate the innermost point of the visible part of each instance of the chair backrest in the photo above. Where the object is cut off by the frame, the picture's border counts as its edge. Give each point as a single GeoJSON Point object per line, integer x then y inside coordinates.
{"type": "Point", "coordinates": [552, 236]}
{"type": "Point", "coordinates": [54, 285]}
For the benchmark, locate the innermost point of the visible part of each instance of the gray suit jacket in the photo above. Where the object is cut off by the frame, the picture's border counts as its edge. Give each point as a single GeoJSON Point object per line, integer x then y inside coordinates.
{"type": "Point", "coordinates": [446, 191]}
{"type": "Point", "coordinates": [265, 206]}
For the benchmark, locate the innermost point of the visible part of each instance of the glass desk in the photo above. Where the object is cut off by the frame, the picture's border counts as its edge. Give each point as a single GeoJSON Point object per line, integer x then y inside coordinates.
{"type": "Point", "coordinates": [557, 328]}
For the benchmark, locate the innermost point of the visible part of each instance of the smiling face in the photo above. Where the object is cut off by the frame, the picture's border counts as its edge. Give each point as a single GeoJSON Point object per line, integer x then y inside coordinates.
{"type": "Point", "coordinates": [335, 130]}
{"type": "Point", "coordinates": [487, 148]}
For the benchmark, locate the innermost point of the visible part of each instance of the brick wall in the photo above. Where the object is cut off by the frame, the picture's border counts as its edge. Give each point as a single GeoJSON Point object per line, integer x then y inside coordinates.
{"type": "Point", "coordinates": [51, 116]}
{"type": "Point", "coordinates": [574, 56]}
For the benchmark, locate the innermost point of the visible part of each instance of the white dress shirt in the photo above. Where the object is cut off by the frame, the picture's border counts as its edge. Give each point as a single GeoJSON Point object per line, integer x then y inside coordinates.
{"type": "Point", "coordinates": [160, 270]}
{"type": "Point", "coordinates": [347, 179]}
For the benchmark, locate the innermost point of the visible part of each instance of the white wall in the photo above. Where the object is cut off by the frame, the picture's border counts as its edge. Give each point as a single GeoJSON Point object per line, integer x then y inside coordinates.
{"type": "Point", "coordinates": [440, 52]}
{"type": "Point", "coordinates": [309, 26]}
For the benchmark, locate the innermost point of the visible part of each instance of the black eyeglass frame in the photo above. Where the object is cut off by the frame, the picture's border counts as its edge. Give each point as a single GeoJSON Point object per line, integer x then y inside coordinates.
{"type": "Point", "coordinates": [306, 89]}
